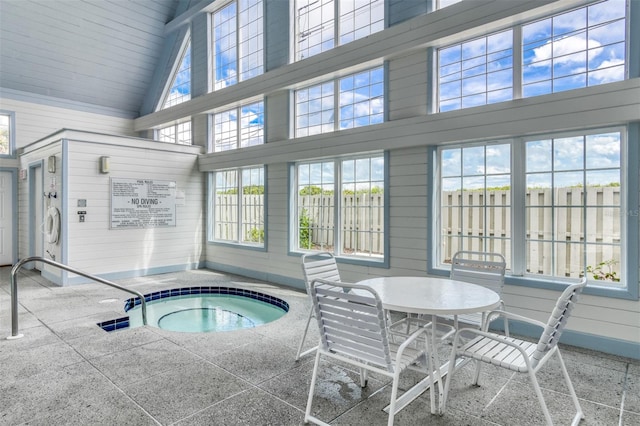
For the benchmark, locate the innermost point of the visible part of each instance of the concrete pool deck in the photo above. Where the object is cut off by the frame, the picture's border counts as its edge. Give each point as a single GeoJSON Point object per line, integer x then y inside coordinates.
{"type": "Point", "coordinates": [68, 371]}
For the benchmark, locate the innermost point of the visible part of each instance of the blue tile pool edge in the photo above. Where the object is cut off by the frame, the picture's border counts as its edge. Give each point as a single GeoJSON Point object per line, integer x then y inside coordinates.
{"type": "Point", "coordinates": [123, 323]}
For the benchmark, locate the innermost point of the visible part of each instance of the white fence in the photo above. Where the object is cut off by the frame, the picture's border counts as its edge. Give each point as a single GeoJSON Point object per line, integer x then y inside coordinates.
{"type": "Point", "coordinates": [463, 219]}
{"type": "Point", "coordinates": [464, 224]}
{"type": "Point", "coordinates": [362, 225]}
{"type": "Point", "coordinates": [226, 214]}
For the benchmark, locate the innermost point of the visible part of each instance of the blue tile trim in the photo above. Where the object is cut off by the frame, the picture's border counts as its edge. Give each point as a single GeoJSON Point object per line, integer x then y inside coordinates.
{"type": "Point", "coordinates": [233, 291]}
{"type": "Point", "coordinates": [114, 324]}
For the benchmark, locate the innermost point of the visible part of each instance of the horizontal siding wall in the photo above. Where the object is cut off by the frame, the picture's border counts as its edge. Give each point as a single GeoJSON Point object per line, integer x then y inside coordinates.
{"type": "Point", "coordinates": [93, 247]}
{"type": "Point", "coordinates": [36, 120]}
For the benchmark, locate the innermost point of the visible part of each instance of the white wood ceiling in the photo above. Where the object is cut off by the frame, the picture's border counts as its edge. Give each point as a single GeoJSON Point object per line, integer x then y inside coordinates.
{"type": "Point", "coordinates": [100, 52]}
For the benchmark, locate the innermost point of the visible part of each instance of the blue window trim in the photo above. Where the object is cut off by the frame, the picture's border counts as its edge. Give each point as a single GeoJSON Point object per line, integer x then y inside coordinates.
{"type": "Point", "coordinates": [351, 260]}
{"type": "Point", "coordinates": [12, 134]}
{"type": "Point", "coordinates": [632, 249]}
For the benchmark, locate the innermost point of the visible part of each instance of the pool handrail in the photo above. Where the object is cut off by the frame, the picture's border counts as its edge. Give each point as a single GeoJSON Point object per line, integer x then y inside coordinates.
{"type": "Point", "coordinates": [14, 289]}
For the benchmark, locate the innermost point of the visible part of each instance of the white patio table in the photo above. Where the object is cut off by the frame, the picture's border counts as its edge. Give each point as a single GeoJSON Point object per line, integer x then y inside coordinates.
{"type": "Point", "coordinates": [431, 296]}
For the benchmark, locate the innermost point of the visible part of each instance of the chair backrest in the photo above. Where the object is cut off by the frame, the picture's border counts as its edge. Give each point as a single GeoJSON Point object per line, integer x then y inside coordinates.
{"type": "Point", "coordinates": [485, 269]}
{"type": "Point", "coordinates": [352, 322]}
{"type": "Point", "coordinates": [319, 265]}
{"type": "Point", "coordinates": [558, 320]}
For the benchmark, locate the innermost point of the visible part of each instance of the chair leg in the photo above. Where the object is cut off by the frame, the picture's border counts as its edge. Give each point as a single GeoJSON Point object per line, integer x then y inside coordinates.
{"type": "Point", "coordinates": [304, 336]}
{"type": "Point", "coordinates": [363, 377]}
{"type": "Point", "coordinates": [394, 395]}
{"type": "Point", "coordinates": [314, 376]}
{"type": "Point", "coordinates": [476, 374]}
{"type": "Point", "coordinates": [543, 404]}
{"type": "Point", "coordinates": [452, 370]}
{"type": "Point", "coordinates": [579, 413]}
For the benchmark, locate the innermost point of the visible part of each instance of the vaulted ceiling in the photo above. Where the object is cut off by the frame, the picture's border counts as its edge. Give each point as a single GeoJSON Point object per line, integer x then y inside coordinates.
{"type": "Point", "coordinates": [98, 52]}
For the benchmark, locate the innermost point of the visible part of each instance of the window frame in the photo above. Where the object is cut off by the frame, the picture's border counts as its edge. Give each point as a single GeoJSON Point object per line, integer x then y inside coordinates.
{"type": "Point", "coordinates": [176, 132]}
{"type": "Point", "coordinates": [239, 129]}
{"type": "Point", "coordinates": [214, 83]}
{"type": "Point", "coordinates": [337, 106]}
{"type": "Point", "coordinates": [336, 26]}
{"type": "Point", "coordinates": [518, 60]}
{"type": "Point", "coordinates": [211, 219]}
{"type": "Point", "coordinates": [293, 226]}
{"type": "Point", "coordinates": [630, 237]}
{"type": "Point", "coordinates": [11, 118]}
{"type": "Point", "coordinates": [185, 49]}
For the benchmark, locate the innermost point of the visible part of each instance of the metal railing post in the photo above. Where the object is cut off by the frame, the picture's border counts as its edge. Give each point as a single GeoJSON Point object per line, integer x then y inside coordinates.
{"type": "Point", "coordinates": [14, 289]}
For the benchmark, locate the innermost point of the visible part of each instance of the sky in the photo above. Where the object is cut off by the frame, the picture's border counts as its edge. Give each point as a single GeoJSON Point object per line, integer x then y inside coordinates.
{"type": "Point", "coordinates": [579, 48]}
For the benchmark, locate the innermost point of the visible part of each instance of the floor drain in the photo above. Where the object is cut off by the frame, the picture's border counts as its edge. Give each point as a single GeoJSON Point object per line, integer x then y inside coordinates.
{"type": "Point", "coordinates": [108, 301]}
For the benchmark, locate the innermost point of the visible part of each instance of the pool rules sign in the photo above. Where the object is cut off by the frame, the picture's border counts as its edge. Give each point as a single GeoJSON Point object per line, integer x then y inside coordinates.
{"type": "Point", "coordinates": [142, 203]}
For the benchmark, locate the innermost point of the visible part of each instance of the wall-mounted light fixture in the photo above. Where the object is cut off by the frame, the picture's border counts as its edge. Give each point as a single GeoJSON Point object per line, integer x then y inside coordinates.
{"type": "Point", "coordinates": [104, 164]}
{"type": "Point", "coordinates": [51, 164]}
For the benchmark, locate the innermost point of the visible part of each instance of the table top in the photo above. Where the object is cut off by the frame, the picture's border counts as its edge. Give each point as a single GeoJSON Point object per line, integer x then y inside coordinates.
{"type": "Point", "coordinates": [432, 295]}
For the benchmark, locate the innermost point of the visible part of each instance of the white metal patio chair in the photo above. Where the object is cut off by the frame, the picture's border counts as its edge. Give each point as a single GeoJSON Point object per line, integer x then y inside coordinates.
{"type": "Point", "coordinates": [316, 265]}
{"type": "Point", "coordinates": [520, 355]}
{"type": "Point", "coordinates": [353, 329]}
{"type": "Point", "coordinates": [485, 269]}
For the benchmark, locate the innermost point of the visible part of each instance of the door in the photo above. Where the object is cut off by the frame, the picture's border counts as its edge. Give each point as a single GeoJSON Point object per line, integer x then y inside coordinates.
{"type": "Point", "coordinates": [6, 219]}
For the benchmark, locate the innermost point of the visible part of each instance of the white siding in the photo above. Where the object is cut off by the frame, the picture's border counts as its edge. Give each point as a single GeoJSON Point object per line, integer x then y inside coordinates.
{"type": "Point", "coordinates": [92, 246]}
{"type": "Point", "coordinates": [34, 121]}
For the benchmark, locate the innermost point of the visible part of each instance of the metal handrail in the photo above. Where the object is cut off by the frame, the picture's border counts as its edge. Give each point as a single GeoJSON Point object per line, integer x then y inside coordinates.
{"type": "Point", "coordinates": [14, 289]}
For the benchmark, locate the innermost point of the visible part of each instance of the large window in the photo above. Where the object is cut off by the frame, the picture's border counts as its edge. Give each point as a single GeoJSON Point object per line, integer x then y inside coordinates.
{"type": "Point", "coordinates": [580, 48]}
{"type": "Point", "coordinates": [573, 206]}
{"type": "Point", "coordinates": [238, 206]}
{"type": "Point", "coordinates": [239, 127]}
{"type": "Point", "coordinates": [575, 49]}
{"type": "Point", "coordinates": [237, 43]}
{"type": "Point", "coordinates": [359, 102]}
{"type": "Point", "coordinates": [475, 199]}
{"type": "Point", "coordinates": [317, 30]}
{"type": "Point", "coordinates": [477, 72]}
{"type": "Point", "coordinates": [561, 214]}
{"type": "Point", "coordinates": [339, 206]}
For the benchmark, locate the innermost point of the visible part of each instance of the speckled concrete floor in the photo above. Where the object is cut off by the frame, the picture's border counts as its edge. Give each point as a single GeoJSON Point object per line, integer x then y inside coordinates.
{"type": "Point", "coordinates": [68, 371]}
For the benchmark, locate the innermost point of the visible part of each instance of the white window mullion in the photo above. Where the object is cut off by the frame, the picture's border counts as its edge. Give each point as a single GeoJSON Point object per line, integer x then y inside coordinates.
{"type": "Point", "coordinates": [337, 210]}
{"type": "Point", "coordinates": [518, 210]}
{"type": "Point", "coordinates": [336, 104]}
{"type": "Point", "coordinates": [517, 62]}
{"type": "Point", "coordinates": [239, 203]}
{"type": "Point", "coordinates": [336, 23]}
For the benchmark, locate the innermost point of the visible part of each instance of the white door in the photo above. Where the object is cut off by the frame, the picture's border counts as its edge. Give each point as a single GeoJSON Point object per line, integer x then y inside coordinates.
{"type": "Point", "coordinates": [6, 219]}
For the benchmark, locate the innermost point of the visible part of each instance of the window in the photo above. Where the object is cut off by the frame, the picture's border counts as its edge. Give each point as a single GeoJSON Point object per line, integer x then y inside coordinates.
{"type": "Point", "coordinates": [340, 206]}
{"type": "Point", "coordinates": [574, 205]}
{"type": "Point", "coordinates": [176, 133]}
{"type": "Point", "coordinates": [562, 214]}
{"type": "Point", "coordinates": [579, 48]}
{"type": "Point", "coordinates": [360, 102]}
{"type": "Point", "coordinates": [316, 23]}
{"type": "Point", "coordinates": [180, 90]}
{"type": "Point", "coordinates": [475, 199]}
{"type": "Point", "coordinates": [238, 206]}
{"type": "Point", "coordinates": [6, 134]}
{"type": "Point", "coordinates": [237, 43]}
{"type": "Point", "coordinates": [476, 72]}
{"type": "Point", "coordinates": [233, 133]}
